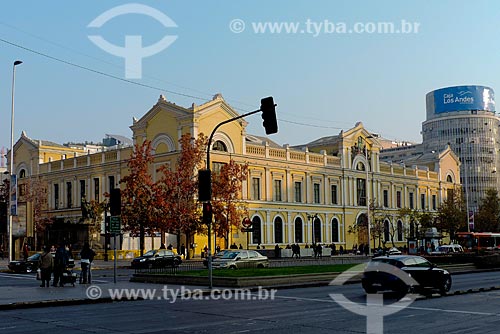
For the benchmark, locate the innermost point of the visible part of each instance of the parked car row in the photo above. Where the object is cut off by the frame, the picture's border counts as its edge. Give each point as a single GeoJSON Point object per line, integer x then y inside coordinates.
{"type": "Point", "coordinates": [31, 264]}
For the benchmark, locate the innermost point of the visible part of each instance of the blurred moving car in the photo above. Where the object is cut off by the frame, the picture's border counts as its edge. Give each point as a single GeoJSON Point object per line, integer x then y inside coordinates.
{"type": "Point", "coordinates": [157, 258]}
{"type": "Point", "coordinates": [429, 276]}
{"type": "Point", "coordinates": [237, 259]}
{"type": "Point", "coordinates": [216, 256]}
{"type": "Point", "coordinates": [31, 264]}
{"type": "Point", "coordinates": [448, 249]}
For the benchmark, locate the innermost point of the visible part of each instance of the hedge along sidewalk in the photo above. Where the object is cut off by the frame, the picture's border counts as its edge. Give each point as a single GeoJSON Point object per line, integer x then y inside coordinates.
{"type": "Point", "coordinates": [268, 277]}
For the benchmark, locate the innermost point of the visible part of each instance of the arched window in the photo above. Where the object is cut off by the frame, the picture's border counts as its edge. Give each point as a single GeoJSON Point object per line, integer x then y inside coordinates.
{"type": "Point", "coordinates": [386, 230]}
{"type": "Point", "coordinates": [278, 230]}
{"type": "Point", "coordinates": [317, 230]}
{"type": "Point", "coordinates": [219, 146]}
{"type": "Point", "coordinates": [449, 179]}
{"type": "Point", "coordinates": [400, 230]}
{"type": "Point", "coordinates": [298, 230]}
{"type": "Point", "coordinates": [22, 174]}
{"type": "Point", "coordinates": [335, 230]}
{"type": "Point", "coordinates": [256, 230]}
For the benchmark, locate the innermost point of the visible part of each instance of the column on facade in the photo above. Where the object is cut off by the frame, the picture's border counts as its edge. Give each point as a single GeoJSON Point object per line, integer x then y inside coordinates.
{"type": "Point", "coordinates": [328, 230]}
{"type": "Point", "coordinates": [268, 226]}
{"type": "Point", "coordinates": [290, 225]}
{"type": "Point", "coordinates": [289, 189]}
{"type": "Point", "coordinates": [268, 181]}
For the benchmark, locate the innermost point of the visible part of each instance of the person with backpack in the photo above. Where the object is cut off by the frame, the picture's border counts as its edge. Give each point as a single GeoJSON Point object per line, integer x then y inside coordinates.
{"type": "Point", "coordinates": [86, 256]}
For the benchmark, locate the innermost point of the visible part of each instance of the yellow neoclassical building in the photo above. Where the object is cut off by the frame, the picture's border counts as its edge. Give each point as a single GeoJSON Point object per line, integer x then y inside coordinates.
{"type": "Point", "coordinates": [316, 192]}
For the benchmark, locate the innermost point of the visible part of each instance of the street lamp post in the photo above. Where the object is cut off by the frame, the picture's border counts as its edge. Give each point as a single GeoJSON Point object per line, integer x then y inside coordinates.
{"type": "Point", "coordinates": [367, 197]}
{"type": "Point", "coordinates": [17, 62]}
{"type": "Point", "coordinates": [312, 218]}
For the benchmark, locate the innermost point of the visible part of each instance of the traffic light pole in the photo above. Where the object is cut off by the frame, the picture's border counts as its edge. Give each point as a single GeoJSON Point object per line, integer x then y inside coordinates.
{"type": "Point", "coordinates": [267, 107]}
{"type": "Point", "coordinates": [209, 223]}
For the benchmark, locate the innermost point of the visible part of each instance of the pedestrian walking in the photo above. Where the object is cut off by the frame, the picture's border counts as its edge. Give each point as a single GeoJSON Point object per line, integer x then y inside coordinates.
{"type": "Point", "coordinates": [26, 251]}
{"type": "Point", "coordinates": [87, 256]}
{"type": "Point", "coordinates": [46, 264]}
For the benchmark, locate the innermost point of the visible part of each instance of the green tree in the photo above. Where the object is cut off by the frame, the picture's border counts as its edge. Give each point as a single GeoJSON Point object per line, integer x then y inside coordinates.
{"type": "Point", "coordinates": [487, 219]}
{"type": "Point", "coordinates": [452, 216]}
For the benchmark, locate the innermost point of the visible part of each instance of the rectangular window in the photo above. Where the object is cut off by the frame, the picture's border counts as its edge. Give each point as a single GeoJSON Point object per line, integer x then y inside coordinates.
{"type": "Point", "coordinates": [411, 200]}
{"type": "Point", "coordinates": [422, 201]}
{"type": "Point", "coordinates": [111, 181]}
{"type": "Point", "coordinates": [398, 199]}
{"type": "Point", "coordinates": [361, 190]}
{"type": "Point", "coordinates": [335, 199]}
{"type": "Point", "coordinates": [298, 192]}
{"type": "Point", "coordinates": [96, 189]}
{"type": "Point", "coordinates": [277, 190]}
{"type": "Point", "coordinates": [83, 190]}
{"type": "Point", "coordinates": [255, 188]}
{"type": "Point", "coordinates": [386, 198]}
{"type": "Point", "coordinates": [69, 194]}
{"type": "Point", "coordinates": [317, 197]}
{"type": "Point", "coordinates": [56, 196]}
{"type": "Point", "coordinates": [434, 204]}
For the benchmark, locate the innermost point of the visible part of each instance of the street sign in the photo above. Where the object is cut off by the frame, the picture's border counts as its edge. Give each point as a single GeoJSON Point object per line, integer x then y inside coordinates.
{"type": "Point", "coordinates": [247, 223]}
{"type": "Point", "coordinates": [115, 224]}
{"type": "Point", "coordinates": [247, 229]}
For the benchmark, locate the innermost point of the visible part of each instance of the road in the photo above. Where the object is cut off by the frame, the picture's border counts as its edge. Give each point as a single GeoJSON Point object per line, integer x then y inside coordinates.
{"type": "Point", "coordinates": [304, 310]}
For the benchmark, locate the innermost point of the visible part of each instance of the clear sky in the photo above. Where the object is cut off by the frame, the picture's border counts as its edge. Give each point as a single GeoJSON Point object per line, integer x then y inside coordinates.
{"type": "Point", "coordinates": [322, 81]}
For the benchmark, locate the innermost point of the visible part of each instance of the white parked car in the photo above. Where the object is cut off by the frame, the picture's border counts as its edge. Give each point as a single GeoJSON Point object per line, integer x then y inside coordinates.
{"type": "Point", "coordinates": [448, 249]}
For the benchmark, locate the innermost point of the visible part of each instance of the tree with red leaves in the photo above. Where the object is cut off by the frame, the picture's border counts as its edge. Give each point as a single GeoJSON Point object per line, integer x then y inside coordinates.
{"type": "Point", "coordinates": [227, 205]}
{"type": "Point", "coordinates": [139, 197]}
{"type": "Point", "coordinates": [36, 194]}
{"type": "Point", "coordinates": [178, 189]}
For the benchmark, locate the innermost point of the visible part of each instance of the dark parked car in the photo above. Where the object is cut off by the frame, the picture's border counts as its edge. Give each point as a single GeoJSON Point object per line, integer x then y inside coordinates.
{"type": "Point", "coordinates": [31, 264]}
{"type": "Point", "coordinates": [378, 277]}
{"type": "Point", "coordinates": [157, 258]}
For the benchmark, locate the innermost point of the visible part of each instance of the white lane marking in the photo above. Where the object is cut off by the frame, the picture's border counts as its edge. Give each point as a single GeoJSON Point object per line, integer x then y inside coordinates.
{"type": "Point", "coordinates": [30, 277]}
{"type": "Point", "coordinates": [408, 307]}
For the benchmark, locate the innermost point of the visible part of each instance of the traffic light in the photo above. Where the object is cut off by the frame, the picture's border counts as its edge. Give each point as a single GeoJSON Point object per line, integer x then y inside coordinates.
{"type": "Point", "coordinates": [207, 213]}
{"type": "Point", "coordinates": [115, 202]}
{"type": "Point", "coordinates": [268, 109]}
{"type": "Point", "coordinates": [204, 185]}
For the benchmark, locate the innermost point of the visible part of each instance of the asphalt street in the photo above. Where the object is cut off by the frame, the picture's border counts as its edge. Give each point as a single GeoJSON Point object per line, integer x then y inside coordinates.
{"type": "Point", "coordinates": [302, 310]}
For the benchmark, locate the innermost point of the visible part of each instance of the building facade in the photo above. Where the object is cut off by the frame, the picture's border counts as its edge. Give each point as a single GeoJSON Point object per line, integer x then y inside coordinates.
{"type": "Point", "coordinates": [319, 192]}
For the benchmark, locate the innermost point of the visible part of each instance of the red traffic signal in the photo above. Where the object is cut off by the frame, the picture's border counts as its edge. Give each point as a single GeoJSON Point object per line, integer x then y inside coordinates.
{"type": "Point", "coordinates": [268, 109]}
{"type": "Point", "coordinates": [207, 213]}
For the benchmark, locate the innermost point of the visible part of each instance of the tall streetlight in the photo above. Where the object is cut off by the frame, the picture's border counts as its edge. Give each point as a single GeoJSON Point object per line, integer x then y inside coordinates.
{"type": "Point", "coordinates": [312, 218]}
{"type": "Point", "coordinates": [367, 190]}
{"type": "Point", "coordinates": [13, 207]}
